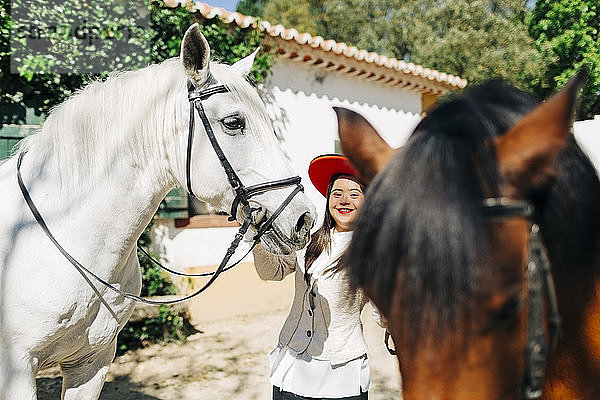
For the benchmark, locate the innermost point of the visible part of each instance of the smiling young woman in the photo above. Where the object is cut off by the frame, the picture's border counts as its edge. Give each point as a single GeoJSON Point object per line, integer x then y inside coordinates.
{"type": "Point", "coordinates": [345, 199]}
{"type": "Point", "coordinates": [322, 352]}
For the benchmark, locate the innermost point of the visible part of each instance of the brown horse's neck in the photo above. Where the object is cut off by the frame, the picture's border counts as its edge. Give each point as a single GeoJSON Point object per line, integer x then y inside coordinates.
{"type": "Point", "coordinates": [455, 372]}
{"type": "Point", "coordinates": [574, 370]}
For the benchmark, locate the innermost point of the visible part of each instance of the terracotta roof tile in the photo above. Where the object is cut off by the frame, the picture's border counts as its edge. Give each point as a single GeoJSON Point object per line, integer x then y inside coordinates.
{"type": "Point", "coordinates": [364, 64]}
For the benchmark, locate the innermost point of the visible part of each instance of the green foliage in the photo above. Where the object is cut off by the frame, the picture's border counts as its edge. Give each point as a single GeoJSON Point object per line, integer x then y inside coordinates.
{"type": "Point", "coordinates": [253, 8]}
{"type": "Point", "coordinates": [361, 23]}
{"type": "Point", "coordinates": [74, 36]}
{"type": "Point", "coordinates": [567, 33]}
{"type": "Point", "coordinates": [168, 327]}
{"type": "Point", "coordinates": [38, 85]}
{"type": "Point", "coordinates": [292, 14]}
{"type": "Point", "coordinates": [368, 26]}
{"type": "Point", "coordinates": [40, 91]}
{"type": "Point", "coordinates": [476, 39]}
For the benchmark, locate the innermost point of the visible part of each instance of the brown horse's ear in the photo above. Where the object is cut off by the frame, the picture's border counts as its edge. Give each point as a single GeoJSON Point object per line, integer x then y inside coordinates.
{"type": "Point", "coordinates": [367, 151]}
{"type": "Point", "coordinates": [527, 152]}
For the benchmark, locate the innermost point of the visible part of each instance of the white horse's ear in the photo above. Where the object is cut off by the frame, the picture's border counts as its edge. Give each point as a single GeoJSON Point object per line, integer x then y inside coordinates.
{"type": "Point", "coordinates": [243, 66]}
{"type": "Point", "coordinates": [195, 55]}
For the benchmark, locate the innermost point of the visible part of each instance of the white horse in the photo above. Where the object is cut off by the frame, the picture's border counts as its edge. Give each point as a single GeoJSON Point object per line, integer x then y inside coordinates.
{"type": "Point", "coordinates": [97, 171]}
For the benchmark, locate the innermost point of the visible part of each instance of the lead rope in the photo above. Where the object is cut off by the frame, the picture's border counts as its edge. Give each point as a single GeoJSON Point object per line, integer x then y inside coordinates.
{"type": "Point", "coordinates": [263, 228]}
{"type": "Point", "coordinates": [83, 270]}
{"type": "Point", "coordinates": [42, 223]}
{"type": "Point", "coordinates": [214, 275]}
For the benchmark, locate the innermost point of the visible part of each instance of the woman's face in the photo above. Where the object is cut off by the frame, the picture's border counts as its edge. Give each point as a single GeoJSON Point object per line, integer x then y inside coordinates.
{"type": "Point", "coordinates": [344, 201]}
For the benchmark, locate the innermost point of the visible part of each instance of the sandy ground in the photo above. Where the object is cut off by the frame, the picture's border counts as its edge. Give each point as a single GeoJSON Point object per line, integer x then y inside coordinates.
{"type": "Point", "coordinates": [239, 320]}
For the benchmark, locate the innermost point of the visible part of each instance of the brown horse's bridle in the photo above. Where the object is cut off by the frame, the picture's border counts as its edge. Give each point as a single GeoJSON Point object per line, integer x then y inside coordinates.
{"type": "Point", "coordinates": [540, 286]}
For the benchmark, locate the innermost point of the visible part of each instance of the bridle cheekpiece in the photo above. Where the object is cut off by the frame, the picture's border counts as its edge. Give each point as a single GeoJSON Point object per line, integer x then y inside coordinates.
{"type": "Point", "coordinates": [540, 285]}
{"type": "Point", "coordinates": [242, 193]}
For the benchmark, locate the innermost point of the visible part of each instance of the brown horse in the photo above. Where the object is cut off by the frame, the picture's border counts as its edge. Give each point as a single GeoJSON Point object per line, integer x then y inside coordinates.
{"type": "Point", "coordinates": [457, 239]}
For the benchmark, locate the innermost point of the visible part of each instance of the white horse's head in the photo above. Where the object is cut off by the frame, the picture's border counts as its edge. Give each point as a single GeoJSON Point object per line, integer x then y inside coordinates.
{"type": "Point", "coordinates": [243, 130]}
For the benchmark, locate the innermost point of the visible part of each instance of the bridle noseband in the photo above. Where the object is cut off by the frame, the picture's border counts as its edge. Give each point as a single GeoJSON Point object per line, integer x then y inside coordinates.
{"type": "Point", "coordinates": [540, 285]}
{"type": "Point", "coordinates": [242, 196]}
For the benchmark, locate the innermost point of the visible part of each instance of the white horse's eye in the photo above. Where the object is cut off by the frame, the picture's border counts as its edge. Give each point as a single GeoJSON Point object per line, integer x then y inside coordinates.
{"type": "Point", "coordinates": [233, 123]}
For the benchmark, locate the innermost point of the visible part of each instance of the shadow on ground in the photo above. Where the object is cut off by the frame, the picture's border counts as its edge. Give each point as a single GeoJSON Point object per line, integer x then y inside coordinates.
{"type": "Point", "coordinates": [49, 389]}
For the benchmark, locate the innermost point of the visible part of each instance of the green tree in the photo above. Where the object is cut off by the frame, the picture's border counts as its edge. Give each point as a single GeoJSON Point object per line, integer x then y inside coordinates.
{"type": "Point", "coordinates": [252, 8]}
{"type": "Point", "coordinates": [476, 39]}
{"type": "Point", "coordinates": [566, 32]}
{"type": "Point", "coordinates": [39, 87]}
{"type": "Point", "coordinates": [291, 14]}
{"type": "Point", "coordinates": [39, 91]}
{"type": "Point", "coordinates": [361, 23]}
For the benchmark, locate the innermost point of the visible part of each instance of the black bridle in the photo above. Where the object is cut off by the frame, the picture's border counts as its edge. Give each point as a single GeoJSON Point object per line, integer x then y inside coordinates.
{"type": "Point", "coordinates": [242, 196]}
{"type": "Point", "coordinates": [540, 287]}
{"type": "Point", "coordinates": [242, 193]}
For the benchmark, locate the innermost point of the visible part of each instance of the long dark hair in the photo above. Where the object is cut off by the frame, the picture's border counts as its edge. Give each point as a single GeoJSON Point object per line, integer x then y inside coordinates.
{"type": "Point", "coordinates": [321, 239]}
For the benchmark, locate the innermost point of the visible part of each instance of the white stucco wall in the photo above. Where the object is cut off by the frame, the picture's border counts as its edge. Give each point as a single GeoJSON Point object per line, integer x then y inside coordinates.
{"type": "Point", "coordinates": [300, 103]}
{"type": "Point", "coordinates": [181, 248]}
{"type": "Point", "coordinates": [587, 134]}
{"type": "Point", "coordinates": [299, 98]}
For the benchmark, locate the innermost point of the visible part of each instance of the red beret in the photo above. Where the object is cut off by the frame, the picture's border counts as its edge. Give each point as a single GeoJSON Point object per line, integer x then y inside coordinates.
{"type": "Point", "coordinates": [322, 168]}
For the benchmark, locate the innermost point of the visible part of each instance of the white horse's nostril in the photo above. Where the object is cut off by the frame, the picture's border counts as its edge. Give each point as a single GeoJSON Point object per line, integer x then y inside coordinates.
{"type": "Point", "coordinates": [305, 222]}
{"type": "Point", "coordinates": [259, 215]}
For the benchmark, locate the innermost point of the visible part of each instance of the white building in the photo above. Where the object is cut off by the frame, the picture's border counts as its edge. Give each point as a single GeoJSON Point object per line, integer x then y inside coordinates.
{"type": "Point", "coordinates": [310, 76]}
{"type": "Point", "coordinates": [587, 134]}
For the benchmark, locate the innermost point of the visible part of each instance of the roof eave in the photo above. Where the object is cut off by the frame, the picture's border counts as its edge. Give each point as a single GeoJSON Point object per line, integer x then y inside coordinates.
{"type": "Point", "coordinates": [335, 56]}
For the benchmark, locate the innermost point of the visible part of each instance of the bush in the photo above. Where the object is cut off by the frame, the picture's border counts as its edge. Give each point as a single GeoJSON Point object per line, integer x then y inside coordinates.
{"type": "Point", "coordinates": [169, 326]}
{"type": "Point", "coordinates": [166, 328]}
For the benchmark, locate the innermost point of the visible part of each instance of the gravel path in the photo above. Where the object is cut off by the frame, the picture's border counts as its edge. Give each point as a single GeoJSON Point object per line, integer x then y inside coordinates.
{"type": "Point", "coordinates": [227, 359]}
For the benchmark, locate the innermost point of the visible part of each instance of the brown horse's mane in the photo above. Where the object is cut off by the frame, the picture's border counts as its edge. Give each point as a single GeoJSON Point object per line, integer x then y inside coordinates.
{"type": "Point", "coordinates": [432, 233]}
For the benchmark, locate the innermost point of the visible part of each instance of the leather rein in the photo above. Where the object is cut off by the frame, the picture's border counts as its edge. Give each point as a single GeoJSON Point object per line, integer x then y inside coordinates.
{"type": "Point", "coordinates": [540, 287]}
{"type": "Point", "coordinates": [242, 197]}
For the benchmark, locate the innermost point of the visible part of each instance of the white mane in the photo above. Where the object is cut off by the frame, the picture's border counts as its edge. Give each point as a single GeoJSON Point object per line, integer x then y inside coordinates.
{"type": "Point", "coordinates": [135, 112]}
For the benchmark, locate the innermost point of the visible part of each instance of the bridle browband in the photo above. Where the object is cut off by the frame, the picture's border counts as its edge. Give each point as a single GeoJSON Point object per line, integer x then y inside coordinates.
{"type": "Point", "coordinates": [242, 196]}
{"type": "Point", "coordinates": [540, 284]}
